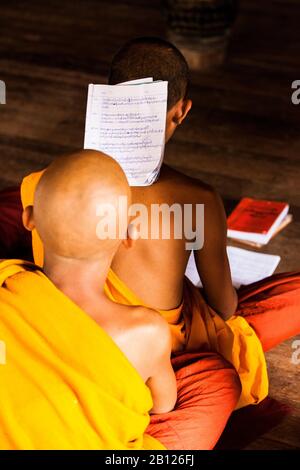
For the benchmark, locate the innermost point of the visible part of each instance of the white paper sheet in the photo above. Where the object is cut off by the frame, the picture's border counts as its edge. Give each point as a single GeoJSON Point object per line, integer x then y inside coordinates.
{"type": "Point", "coordinates": [246, 266]}
{"type": "Point", "coordinates": [138, 81]}
{"type": "Point", "coordinates": [128, 123]}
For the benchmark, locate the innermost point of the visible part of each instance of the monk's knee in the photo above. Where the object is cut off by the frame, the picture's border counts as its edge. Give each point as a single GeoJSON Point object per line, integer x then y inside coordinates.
{"type": "Point", "coordinates": [207, 378]}
{"type": "Point", "coordinates": [225, 382]}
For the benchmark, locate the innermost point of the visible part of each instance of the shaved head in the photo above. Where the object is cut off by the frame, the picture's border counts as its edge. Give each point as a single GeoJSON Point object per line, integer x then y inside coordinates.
{"type": "Point", "coordinates": [67, 200]}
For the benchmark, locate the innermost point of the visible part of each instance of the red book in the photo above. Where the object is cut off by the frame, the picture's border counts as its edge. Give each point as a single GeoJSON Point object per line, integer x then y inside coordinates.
{"type": "Point", "coordinates": [256, 220]}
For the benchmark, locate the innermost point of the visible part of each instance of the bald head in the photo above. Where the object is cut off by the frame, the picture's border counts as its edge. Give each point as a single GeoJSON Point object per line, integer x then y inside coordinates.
{"type": "Point", "coordinates": [67, 201]}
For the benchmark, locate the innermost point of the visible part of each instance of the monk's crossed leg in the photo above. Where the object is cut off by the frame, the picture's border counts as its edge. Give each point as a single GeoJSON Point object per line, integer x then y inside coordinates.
{"type": "Point", "coordinates": [208, 390]}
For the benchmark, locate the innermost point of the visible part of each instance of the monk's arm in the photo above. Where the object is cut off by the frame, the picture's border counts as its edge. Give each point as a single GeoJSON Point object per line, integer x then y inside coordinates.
{"type": "Point", "coordinates": [162, 383]}
{"type": "Point", "coordinates": [212, 261]}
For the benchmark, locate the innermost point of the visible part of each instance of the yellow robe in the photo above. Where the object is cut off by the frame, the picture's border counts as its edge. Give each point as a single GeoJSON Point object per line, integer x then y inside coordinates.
{"type": "Point", "coordinates": [194, 325]}
{"type": "Point", "coordinates": [64, 383]}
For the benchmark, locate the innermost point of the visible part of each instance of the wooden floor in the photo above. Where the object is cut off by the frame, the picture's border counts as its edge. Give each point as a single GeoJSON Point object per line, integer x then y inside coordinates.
{"type": "Point", "coordinates": [243, 134]}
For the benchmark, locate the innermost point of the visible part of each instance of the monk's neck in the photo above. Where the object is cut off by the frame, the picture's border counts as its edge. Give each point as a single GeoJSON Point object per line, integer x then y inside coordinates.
{"type": "Point", "coordinates": [80, 280]}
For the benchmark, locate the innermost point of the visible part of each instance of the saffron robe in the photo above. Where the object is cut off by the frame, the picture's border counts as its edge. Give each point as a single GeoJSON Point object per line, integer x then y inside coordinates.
{"type": "Point", "coordinates": [64, 383]}
{"type": "Point", "coordinates": [197, 327]}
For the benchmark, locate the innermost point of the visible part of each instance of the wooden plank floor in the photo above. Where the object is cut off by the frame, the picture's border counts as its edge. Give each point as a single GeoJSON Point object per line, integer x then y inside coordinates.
{"type": "Point", "coordinates": [243, 134]}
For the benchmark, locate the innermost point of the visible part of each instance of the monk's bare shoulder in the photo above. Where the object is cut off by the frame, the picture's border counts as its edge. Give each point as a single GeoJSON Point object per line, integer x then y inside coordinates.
{"type": "Point", "coordinates": [190, 190]}
{"type": "Point", "coordinates": [151, 327]}
{"type": "Point", "coordinates": [150, 320]}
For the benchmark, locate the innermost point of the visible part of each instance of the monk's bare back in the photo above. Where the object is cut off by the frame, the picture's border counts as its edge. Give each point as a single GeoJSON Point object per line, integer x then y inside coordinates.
{"type": "Point", "coordinates": [154, 268]}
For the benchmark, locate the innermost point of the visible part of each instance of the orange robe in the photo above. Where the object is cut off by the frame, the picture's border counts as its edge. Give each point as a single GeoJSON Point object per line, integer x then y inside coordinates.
{"type": "Point", "coordinates": [197, 327]}
{"type": "Point", "coordinates": [268, 313]}
{"type": "Point", "coordinates": [194, 325]}
{"type": "Point", "coordinates": [208, 390]}
{"type": "Point", "coordinates": [64, 384]}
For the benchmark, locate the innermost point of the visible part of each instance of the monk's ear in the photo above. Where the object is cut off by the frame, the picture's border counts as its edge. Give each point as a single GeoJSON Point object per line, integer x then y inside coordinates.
{"type": "Point", "coordinates": [132, 236]}
{"type": "Point", "coordinates": [27, 218]}
{"type": "Point", "coordinates": [182, 110]}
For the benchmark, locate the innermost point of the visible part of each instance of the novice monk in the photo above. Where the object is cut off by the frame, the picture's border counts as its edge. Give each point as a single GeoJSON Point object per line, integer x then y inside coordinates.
{"type": "Point", "coordinates": [152, 272]}
{"type": "Point", "coordinates": [80, 389]}
{"type": "Point", "coordinates": [267, 313]}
